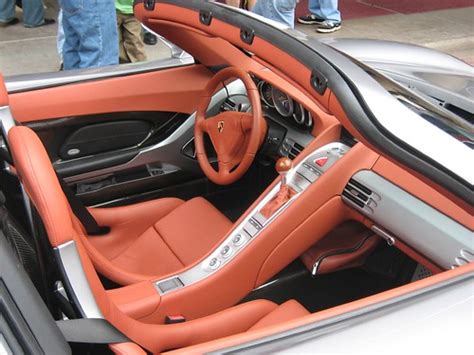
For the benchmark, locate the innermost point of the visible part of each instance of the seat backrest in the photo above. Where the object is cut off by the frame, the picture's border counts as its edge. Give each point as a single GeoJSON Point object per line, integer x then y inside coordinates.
{"type": "Point", "coordinates": [36, 172]}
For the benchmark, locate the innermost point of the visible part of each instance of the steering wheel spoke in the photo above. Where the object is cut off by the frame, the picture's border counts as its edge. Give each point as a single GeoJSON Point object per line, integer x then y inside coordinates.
{"type": "Point", "coordinates": [203, 125]}
{"type": "Point", "coordinates": [246, 121]}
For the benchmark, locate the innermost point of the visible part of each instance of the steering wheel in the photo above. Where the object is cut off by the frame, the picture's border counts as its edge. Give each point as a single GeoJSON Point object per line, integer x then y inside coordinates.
{"type": "Point", "coordinates": [235, 136]}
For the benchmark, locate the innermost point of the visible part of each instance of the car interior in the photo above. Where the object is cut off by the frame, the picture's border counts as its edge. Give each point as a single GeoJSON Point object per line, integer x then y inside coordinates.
{"type": "Point", "coordinates": [225, 198]}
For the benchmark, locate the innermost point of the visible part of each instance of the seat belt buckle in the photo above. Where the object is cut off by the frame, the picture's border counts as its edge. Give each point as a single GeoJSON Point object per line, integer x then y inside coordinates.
{"type": "Point", "coordinates": [175, 319]}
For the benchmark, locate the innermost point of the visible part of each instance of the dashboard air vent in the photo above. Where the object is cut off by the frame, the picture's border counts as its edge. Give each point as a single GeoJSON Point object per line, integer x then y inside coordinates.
{"type": "Point", "coordinates": [357, 193]}
{"type": "Point", "coordinates": [295, 150]}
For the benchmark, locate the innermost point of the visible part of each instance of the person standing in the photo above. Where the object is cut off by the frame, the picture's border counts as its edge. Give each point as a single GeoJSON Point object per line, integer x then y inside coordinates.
{"type": "Point", "coordinates": [282, 11]}
{"type": "Point", "coordinates": [131, 47]}
{"type": "Point", "coordinates": [91, 37]}
{"type": "Point", "coordinates": [33, 13]}
{"type": "Point", "coordinates": [324, 14]}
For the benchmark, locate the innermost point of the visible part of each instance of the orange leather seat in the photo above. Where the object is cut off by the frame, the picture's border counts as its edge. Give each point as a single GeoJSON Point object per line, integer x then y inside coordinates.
{"type": "Point", "coordinates": [253, 315]}
{"type": "Point", "coordinates": [63, 228]}
{"type": "Point", "coordinates": [146, 240]}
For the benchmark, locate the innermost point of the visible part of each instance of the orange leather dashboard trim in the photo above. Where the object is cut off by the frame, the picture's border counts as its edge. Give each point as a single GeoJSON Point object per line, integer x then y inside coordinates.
{"type": "Point", "coordinates": [171, 90]}
{"type": "Point", "coordinates": [290, 67]}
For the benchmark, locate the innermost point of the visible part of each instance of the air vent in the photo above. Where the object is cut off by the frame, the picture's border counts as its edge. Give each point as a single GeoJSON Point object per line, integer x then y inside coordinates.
{"type": "Point", "coordinates": [295, 150]}
{"type": "Point", "coordinates": [357, 193]}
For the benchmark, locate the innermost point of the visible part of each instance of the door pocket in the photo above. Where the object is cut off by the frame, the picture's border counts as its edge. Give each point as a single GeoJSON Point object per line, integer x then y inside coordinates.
{"type": "Point", "coordinates": [104, 137]}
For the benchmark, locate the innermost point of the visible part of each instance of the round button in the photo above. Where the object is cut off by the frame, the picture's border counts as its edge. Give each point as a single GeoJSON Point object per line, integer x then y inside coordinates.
{"type": "Point", "coordinates": [238, 240]}
{"type": "Point", "coordinates": [214, 263]}
{"type": "Point", "coordinates": [226, 251]}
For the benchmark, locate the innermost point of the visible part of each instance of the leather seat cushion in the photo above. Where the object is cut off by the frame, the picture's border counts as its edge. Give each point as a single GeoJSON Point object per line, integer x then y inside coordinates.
{"type": "Point", "coordinates": [148, 255]}
{"type": "Point", "coordinates": [249, 316]}
{"type": "Point", "coordinates": [193, 229]}
{"type": "Point", "coordinates": [152, 239]}
{"type": "Point", "coordinates": [286, 311]}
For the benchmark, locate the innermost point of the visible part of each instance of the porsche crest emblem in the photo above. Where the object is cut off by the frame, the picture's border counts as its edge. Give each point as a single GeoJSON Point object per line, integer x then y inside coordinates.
{"type": "Point", "coordinates": [220, 126]}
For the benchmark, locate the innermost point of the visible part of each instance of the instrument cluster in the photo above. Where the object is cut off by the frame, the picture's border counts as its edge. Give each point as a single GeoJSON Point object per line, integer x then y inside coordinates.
{"type": "Point", "coordinates": [286, 106]}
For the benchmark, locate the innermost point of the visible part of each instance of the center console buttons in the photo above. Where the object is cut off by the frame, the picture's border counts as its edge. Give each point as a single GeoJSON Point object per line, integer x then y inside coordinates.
{"type": "Point", "coordinates": [214, 263]}
{"type": "Point", "coordinates": [226, 251]}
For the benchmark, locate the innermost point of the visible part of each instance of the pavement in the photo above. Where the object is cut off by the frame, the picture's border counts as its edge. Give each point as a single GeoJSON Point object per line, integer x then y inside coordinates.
{"type": "Point", "coordinates": [24, 50]}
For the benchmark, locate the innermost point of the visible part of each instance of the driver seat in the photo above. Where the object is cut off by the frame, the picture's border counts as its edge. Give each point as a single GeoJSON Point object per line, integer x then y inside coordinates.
{"type": "Point", "coordinates": [146, 241]}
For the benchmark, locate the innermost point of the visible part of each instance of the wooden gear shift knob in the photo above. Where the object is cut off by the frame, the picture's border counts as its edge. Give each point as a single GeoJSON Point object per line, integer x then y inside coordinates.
{"type": "Point", "coordinates": [283, 165]}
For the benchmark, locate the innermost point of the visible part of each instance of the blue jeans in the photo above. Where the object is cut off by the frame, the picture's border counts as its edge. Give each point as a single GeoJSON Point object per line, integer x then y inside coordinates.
{"type": "Point", "coordinates": [33, 12]}
{"type": "Point", "coordinates": [326, 9]}
{"type": "Point", "coordinates": [90, 27]}
{"type": "Point", "coordinates": [282, 11]}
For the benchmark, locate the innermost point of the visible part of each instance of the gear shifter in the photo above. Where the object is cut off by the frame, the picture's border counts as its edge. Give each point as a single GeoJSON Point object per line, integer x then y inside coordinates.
{"type": "Point", "coordinates": [282, 166]}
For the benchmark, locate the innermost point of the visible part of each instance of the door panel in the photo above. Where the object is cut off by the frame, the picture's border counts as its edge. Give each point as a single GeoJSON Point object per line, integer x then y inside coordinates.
{"type": "Point", "coordinates": [115, 138]}
{"type": "Point", "coordinates": [56, 135]}
{"type": "Point", "coordinates": [166, 90]}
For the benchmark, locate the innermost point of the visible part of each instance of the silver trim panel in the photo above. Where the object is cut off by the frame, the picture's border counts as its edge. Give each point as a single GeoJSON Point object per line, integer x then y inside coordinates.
{"type": "Point", "coordinates": [72, 265]}
{"type": "Point", "coordinates": [6, 120]}
{"type": "Point", "coordinates": [427, 230]}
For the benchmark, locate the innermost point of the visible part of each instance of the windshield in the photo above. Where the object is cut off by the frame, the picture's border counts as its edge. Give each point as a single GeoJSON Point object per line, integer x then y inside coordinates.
{"type": "Point", "coordinates": [457, 123]}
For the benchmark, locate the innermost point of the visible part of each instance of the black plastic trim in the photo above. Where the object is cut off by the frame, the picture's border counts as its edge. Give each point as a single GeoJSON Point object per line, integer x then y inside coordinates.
{"type": "Point", "coordinates": [319, 82]}
{"type": "Point", "coordinates": [205, 17]}
{"type": "Point", "coordinates": [27, 317]}
{"type": "Point", "coordinates": [149, 5]}
{"type": "Point", "coordinates": [247, 35]}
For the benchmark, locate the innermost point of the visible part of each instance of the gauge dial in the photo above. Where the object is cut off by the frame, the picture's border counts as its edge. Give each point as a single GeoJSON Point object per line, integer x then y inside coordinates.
{"type": "Point", "coordinates": [283, 103]}
{"type": "Point", "coordinates": [265, 90]}
{"type": "Point", "coordinates": [309, 119]}
{"type": "Point", "coordinates": [299, 114]}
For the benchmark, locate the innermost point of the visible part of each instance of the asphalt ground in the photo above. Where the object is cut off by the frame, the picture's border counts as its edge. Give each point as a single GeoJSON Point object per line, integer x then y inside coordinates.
{"type": "Point", "coordinates": [24, 50]}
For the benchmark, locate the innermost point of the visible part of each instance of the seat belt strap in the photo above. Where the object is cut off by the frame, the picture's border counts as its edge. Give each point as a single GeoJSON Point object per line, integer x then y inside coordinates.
{"type": "Point", "coordinates": [91, 331]}
{"type": "Point", "coordinates": [82, 213]}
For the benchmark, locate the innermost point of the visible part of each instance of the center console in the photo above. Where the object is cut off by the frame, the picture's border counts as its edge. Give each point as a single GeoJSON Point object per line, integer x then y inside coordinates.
{"type": "Point", "coordinates": [298, 179]}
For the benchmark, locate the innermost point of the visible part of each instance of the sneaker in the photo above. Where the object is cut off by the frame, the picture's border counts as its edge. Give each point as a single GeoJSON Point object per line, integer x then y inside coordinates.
{"type": "Point", "coordinates": [310, 19]}
{"type": "Point", "coordinates": [149, 38]}
{"type": "Point", "coordinates": [46, 22]}
{"type": "Point", "coordinates": [11, 22]}
{"type": "Point", "coordinates": [328, 27]}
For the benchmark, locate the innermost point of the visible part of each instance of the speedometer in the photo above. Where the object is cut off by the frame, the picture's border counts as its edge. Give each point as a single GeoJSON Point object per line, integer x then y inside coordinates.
{"type": "Point", "coordinates": [283, 103]}
{"type": "Point", "coordinates": [265, 90]}
{"type": "Point", "coordinates": [299, 114]}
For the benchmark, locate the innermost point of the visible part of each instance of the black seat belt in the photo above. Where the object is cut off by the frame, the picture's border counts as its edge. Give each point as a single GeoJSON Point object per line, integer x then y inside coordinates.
{"type": "Point", "coordinates": [82, 213]}
{"type": "Point", "coordinates": [91, 331]}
